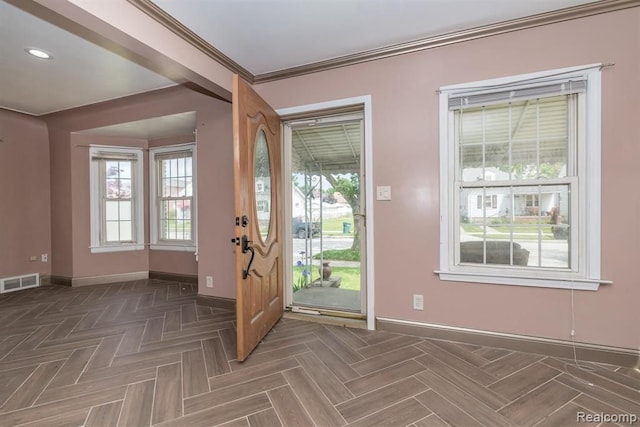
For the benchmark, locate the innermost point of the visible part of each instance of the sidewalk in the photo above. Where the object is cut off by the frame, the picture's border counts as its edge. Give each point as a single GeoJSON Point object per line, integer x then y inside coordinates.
{"type": "Point", "coordinates": [338, 263]}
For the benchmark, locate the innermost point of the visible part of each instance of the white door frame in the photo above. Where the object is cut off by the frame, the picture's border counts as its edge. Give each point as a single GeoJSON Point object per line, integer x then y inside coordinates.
{"type": "Point", "coordinates": [365, 101]}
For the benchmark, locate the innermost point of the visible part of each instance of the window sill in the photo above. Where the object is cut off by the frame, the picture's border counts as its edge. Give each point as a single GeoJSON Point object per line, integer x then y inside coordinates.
{"type": "Point", "coordinates": [116, 248]}
{"type": "Point", "coordinates": [175, 248]}
{"type": "Point", "coordinates": [576, 284]}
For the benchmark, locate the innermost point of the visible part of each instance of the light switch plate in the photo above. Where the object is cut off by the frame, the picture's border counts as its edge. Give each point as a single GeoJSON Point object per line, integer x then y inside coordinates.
{"type": "Point", "coordinates": [383, 192]}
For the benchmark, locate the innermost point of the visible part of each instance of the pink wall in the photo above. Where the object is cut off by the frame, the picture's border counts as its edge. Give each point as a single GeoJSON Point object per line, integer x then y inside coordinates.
{"type": "Point", "coordinates": [405, 132]}
{"type": "Point", "coordinates": [173, 262]}
{"type": "Point", "coordinates": [215, 201]}
{"type": "Point", "coordinates": [25, 226]}
{"type": "Point", "coordinates": [70, 166]}
{"type": "Point", "coordinates": [60, 163]}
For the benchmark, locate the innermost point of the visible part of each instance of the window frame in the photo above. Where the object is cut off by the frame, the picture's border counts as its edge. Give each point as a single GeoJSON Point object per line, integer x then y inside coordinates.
{"type": "Point", "coordinates": [97, 186]}
{"type": "Point", "coordinates": [154, 200]}
{"type": "Point", "coordinates": [585, 243]}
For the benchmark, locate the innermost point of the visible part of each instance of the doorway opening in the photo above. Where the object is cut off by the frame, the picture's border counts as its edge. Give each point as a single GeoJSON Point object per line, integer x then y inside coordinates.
{"type": "Point", "coordinates": [327, 272]}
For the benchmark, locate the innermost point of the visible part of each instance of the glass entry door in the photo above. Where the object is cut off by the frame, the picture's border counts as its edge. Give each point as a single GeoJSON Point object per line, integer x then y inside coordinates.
{"type": "Point", "coordinates": [327, 214]}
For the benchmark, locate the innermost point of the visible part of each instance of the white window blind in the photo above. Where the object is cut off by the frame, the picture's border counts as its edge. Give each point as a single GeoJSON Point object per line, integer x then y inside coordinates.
{"type": "Point", "coordinates": [500, 94]}
{"type": "Point", "coordinates": [520, 173]}
{"type": "Point", "coordinates": [106, 155]}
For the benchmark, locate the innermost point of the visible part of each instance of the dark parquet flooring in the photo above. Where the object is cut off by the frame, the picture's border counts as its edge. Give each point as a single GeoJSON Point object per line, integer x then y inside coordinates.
{"type": "Point", "coordinates": [145, 353]}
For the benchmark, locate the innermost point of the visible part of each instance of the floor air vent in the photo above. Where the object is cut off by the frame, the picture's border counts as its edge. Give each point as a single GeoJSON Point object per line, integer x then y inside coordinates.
{"type": "Point", "coordinates": [17, 283]}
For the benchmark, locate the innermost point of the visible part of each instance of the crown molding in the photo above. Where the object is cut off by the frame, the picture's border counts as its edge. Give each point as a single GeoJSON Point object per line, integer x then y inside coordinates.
{"type": "Point", "coordinates": [566, 14]}
{"type": "Point", "coordinates": [175, 26]}
{"type": "Point", "coordinates": [531, 21]}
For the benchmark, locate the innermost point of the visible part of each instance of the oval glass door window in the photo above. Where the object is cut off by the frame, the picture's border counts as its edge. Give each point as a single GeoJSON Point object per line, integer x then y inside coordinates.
{"type": "Point", "coordinates": [262, 176]}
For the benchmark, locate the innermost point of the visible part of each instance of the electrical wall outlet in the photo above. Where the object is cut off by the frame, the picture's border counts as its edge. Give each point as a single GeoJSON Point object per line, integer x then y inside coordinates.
{"type": "Point", "coordinates": [44, 258]}
{"type": "Point", "coordinates": [418, 302]}
{"type": "Point", "coordinates": [209, 281]}
{"type": "Point", "coordinates": [33, 258]}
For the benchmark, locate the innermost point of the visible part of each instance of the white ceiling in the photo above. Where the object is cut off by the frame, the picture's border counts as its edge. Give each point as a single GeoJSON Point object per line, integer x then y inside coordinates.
{"type": "Point", "coordinates": [260, 35]}
{"type": "Point", "coordinates": [272, 35]}
{"type": "Point", "coordinates": [80, 72]}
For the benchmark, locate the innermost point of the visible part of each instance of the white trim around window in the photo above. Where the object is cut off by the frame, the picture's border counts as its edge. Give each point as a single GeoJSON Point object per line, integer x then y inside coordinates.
{"type": "Point", "coordinates": [116, 198]}
{"type": "Point", "coordinates": [184, 241]}
{"type": "Point", "coordinates": [479, 159]}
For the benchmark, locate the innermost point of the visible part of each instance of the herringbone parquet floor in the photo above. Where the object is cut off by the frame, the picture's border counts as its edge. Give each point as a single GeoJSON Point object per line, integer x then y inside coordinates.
{"type": "Point", "coordinates": [144, 353]}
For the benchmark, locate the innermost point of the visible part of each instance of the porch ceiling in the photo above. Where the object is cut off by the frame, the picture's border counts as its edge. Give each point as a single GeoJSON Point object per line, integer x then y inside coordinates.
{"type": "Point", "coordinates": [328, 148]}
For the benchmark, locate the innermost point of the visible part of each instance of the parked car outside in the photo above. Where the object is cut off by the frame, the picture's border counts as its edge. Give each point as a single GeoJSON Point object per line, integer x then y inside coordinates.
{"type": "Point", "coordinates": [302, 229]}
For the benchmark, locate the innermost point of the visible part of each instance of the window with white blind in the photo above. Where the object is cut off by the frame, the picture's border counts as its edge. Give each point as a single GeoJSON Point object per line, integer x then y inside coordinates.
{"type": "Point", "coordinates": [116, 197]}
{"type": "Point", "coordinates": [520, 180]}
{"type": "Point", "coordinates": [172, 189]}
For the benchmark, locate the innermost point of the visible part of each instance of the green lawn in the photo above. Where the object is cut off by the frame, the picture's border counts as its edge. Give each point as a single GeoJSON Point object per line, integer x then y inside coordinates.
{"type": "Point", "coordinates": [515, 236]}
{"type": "Point", "coordinates": [471, 228]}
{"type": "Point", "coordinates": [339, 255]}
{"type": "Point", "coordinates": [173, 225]}
{"type": "Point", "coordinates": [520, 231]}
{"type": "Point", "coordinates": [350, 276]}
{"type": "Point", "coordinates": [523, 228]}
{"type": "Point", "coordinates": [334, 225]}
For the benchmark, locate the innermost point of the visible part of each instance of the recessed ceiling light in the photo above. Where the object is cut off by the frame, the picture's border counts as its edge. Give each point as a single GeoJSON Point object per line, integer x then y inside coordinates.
{"type": "Point", "coordinates": [38, 53]}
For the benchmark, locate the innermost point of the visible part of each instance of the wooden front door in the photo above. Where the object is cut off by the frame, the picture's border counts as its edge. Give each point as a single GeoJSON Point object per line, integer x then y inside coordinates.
{"type": "Point", "coordinates": [258, 211]}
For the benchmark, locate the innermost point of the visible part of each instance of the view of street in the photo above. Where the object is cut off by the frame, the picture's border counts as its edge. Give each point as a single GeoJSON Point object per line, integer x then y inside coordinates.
{"type": "Point", "coordinates": [313, 245]}
{"type": "Point", "coordinates": [555, 253]}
